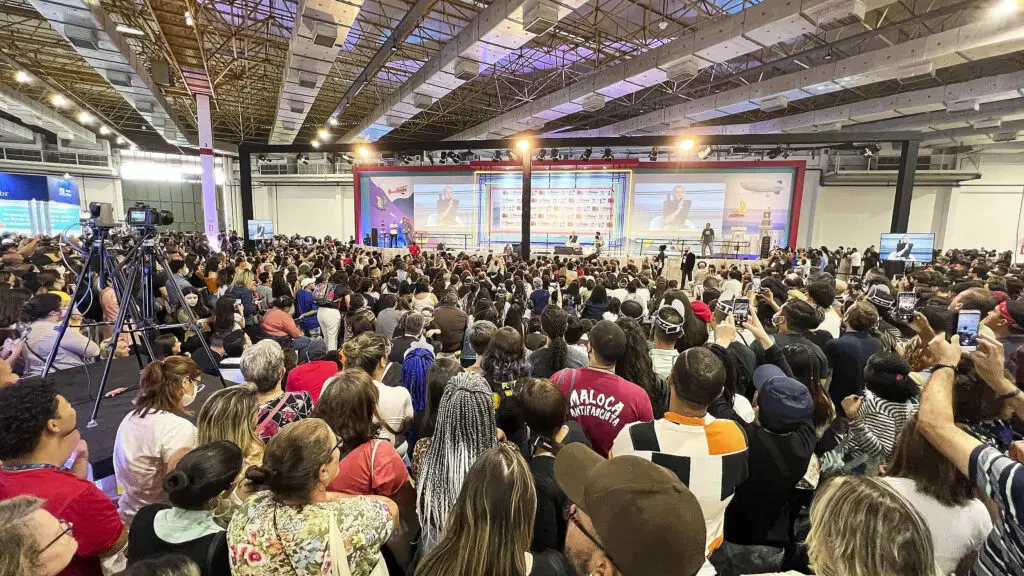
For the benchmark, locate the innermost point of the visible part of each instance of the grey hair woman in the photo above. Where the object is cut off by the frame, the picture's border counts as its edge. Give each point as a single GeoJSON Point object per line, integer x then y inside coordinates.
{"type": "Point", "coordinates": [465, 429]}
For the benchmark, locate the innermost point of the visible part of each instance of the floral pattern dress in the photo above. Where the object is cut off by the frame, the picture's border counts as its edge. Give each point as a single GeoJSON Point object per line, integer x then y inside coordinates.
{"type": "Point", "coordinates": [297, 405]}
{"type": "Point", "coordinates": [269, 538]}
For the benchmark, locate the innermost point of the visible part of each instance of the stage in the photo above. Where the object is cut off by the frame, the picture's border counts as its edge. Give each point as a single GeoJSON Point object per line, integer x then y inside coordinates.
{"type": "Point", "coordinates": [74, 386]}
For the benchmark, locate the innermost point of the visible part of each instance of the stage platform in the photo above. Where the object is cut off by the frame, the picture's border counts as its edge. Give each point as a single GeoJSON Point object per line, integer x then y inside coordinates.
{"type": "Point", "coordinates": [77, 388]}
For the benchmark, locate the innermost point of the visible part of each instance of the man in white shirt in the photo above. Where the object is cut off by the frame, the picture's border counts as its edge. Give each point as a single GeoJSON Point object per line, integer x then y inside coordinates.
{"type": "Point", "coordinates": [668, 327]}
{"type": "Point", "coordinates": [822, 294]}
{"type": "Point", "coordinates": [855, 262]}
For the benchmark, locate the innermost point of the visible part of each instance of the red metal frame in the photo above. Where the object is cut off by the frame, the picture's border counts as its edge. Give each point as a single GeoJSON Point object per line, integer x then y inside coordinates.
{"type": "Point", "coordinates": [799, 167]}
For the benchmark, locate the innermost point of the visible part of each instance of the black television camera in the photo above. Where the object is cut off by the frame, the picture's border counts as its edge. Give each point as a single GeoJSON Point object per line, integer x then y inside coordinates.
{"type": "Point", "coordinates": [143, 216]}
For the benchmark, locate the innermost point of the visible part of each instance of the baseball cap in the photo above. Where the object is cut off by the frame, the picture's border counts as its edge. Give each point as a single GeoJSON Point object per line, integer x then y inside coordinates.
{"type": "Point", "coordinates": [645, 518]}
{"type": "Point", "coordinates": [782, 401]}
{"type": "Point", "coordinates": [305, 282]}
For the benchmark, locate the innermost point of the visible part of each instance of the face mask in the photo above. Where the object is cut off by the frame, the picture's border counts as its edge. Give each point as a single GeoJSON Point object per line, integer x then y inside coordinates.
{"type": "Point", "coordinates": [188, 399]}
{"type": "Point", "coordinates": [778, 320]}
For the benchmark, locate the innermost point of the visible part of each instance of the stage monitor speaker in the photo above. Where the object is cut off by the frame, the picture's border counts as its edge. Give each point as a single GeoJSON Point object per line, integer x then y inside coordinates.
{"type": "Point", "coordinates": [569, 250]}
{"type": "Point", "coordinates": [374, 238]}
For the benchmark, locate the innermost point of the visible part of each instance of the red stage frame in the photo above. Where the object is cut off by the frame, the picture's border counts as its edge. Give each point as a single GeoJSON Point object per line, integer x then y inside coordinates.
{"type": "Point", "coordinates": [796, 202]}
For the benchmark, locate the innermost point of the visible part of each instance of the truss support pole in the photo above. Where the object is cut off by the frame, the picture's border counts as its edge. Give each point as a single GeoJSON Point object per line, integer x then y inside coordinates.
{"type": "Point", "coordinates": [904, 186]}
{"type": "Point", "coordinates": [524, 242]}
{"type": "Point", "coordinates": [211, 226]}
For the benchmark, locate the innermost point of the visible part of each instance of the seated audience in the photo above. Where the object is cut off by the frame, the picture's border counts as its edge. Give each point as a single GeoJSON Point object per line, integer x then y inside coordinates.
{"type": "Point", "coordinates": [36, 543]}
{"type": "Point", "coordinates": [43, 314]}
{"type": "Point", "coordinates": [310, 376]}
{"type": "Point", "coordinates": [438, 376]}
{"type": "Point", "coordinates": [556, 353]}
{"type": "Point", "coordinates": [263, 365]}
{"type": "Point", "coordinates": [368, 352]}
{"type": "Point", "coordinates": [229, 414]}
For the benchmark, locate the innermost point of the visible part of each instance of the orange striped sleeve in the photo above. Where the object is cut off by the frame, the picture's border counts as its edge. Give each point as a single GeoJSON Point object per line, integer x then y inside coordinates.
{"type": "Point", "coordinates": [725, 437]}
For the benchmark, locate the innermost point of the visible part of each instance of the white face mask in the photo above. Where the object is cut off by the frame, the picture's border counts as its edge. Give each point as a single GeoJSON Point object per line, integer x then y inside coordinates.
{"type": "Point", "coordinates": [188, 399]}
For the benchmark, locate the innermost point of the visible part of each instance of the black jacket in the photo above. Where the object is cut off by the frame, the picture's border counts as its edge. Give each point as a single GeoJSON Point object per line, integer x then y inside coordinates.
{"type": "Point", "coordinates": [848, 355]}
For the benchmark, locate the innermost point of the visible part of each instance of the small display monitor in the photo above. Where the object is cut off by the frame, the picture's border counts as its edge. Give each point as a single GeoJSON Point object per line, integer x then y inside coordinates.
{"type": "Point", "coordinates": [907, 247]}
{"type": "Point", "coordinates": [261, 229]}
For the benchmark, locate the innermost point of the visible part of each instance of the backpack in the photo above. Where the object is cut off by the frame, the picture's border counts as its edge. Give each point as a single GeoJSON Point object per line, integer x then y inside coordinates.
{"type": "Point", "coordinates": [323, 293]}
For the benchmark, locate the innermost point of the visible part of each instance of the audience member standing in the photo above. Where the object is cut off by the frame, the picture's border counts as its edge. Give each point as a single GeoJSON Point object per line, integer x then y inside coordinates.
{"type": "Point", "coordinates": [848, 354]}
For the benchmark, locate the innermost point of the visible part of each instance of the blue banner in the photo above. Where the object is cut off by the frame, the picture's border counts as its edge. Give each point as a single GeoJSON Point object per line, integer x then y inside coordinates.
{"type": "Point", "coordinates": [61, 190]}
{"type": "Point", "coordinates": [21, 187]}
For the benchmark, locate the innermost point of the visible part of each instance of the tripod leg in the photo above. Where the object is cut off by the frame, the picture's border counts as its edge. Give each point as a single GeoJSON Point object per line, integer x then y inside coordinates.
{"type": "Point", "coordinates": [81, 285]}
{"type": "Point", "coordinates": [176, 290]}
{"type": "Point", "coordinates": [122, 314]}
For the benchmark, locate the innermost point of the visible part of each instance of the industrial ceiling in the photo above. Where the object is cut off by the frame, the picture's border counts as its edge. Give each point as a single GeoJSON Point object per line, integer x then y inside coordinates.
{"type": "Point", "coordinates": [282, 71]}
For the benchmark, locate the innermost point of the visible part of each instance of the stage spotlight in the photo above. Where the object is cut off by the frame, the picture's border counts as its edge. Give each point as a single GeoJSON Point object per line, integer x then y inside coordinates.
{"type": "Point", "coordinates": [523, 144]}
{"type": "Point", "coordinates": [774, 153]}
{"type": "Point", "coordinates": [555, 154]}
{"type": "Point", "coordinates": [653, 156]}
{"type": "Point", "coordinates": [363, 152]}
{"type": "Point", "coordinates": [84, 117]}
{"type": "Point", "coordinates": [405, 159]}
{"type": "Point", "coordinates": [259, 159]}
{"type": "Point", "coordinates": [586, 154]}
{"type": "Point", "coordinates": [496, 157]}
{"type": "Point", "coordinates": [739, 150]}
{"type": "Point", "coordinates": [453, 157]}
{"type": "Point", "coordinates": [541, 154]}
{"type": "Point", "coordinates": [22, 77]}
{"type": "Point", "coordinates": [871, 150]}
{"type": "Point", "coordinates": [511, 155]}
{"type": "Point", "coordinates": [104, 130]}
{"type": "Point", "coordinates": [608, 155]}
{"type": "Point", "coordinates": [686, 145]}
{"type": "Point", "coordinates": [323, 134]}
{"type": "Point", "coordinates": [704, 152]}
{"type": "Point", "coordinates": [333, 121]}
{"type": "Point", "coordinates": [314, 143]}
{"type": "Point", "coordinates": [58, 100]}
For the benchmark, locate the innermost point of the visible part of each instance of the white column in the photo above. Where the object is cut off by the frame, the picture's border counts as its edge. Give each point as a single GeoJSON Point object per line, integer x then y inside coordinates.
{"type": "Point", "coordinates": [210, 222]}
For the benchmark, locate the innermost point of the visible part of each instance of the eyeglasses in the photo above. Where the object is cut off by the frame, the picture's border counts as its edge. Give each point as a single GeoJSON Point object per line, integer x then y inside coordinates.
{"type": "Point", "coordinates": [66, 528]}
{"type": "Point", "coordinates": [198, 384]}
{"type": "Point", "coordinates": [338, 446]}
{"type": "Point", "coordinates": [570, 516]}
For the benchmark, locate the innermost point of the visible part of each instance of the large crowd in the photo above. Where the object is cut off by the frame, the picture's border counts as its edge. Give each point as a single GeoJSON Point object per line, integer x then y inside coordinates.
{"type": "Point", "coordinates": [434, 413]}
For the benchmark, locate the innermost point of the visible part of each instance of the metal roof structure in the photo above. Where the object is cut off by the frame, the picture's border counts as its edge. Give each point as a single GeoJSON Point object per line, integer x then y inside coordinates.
{"type": "Point", "coordinates": [282, 71]}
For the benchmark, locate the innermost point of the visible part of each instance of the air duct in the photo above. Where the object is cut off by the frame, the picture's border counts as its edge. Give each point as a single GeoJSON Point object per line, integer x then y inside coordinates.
{"type": "Point", "coordinates": [320, 29]}
{"type": "Point", "coordinates": [539, 17]}
{"type": "Point", "coordinates": [89, 29]}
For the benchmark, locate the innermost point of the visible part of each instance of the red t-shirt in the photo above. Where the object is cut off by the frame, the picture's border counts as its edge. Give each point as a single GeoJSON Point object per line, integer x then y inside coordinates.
{"type": "Point", "coordinates": [414, 250]}
{"type": "Point", "coordinates": [602, 403]}
{"type": "Point", "coordinates": [389, 472]}
{"type": "Point", "coordinates": [311, 377]}
{"type": "Point", "coordinates": [96, 523]}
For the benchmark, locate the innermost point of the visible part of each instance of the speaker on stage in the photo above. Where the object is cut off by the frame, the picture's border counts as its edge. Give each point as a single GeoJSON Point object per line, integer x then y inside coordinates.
{"type": "Point", "coordinates": [374, 238]}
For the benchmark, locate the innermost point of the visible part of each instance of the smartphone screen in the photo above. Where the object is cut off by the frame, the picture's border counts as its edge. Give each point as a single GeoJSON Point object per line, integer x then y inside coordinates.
{"type": "Point", "coordinates": [757, 284]}
{"type": "Point", "coordinates": [967, 329]}
{"type": "Point", "coordinates": [740, 310]}
{"type": "Point", "coordinates": [905, 302]}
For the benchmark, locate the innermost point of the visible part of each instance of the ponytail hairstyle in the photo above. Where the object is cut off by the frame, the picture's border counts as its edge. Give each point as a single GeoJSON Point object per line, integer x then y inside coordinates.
{"type": "Point", "coordinates": [554, 322]}
{"type": "Point", "coordinates": [365, 351]}
{"type": "Point", "coordinates": [292, 461]}
{"type": "Point", "coordinates": [283, 302]}
{"type": "Point", "coordinates": [161, 386]}
{"type": "Point", "coordinates": [202, 474]}
{"type": "Point", "coordinates": [39, 307]}
{"type": "Point", "coordinates": [415, 366]}
{"type": "Point", "coordinates": [808, 370]}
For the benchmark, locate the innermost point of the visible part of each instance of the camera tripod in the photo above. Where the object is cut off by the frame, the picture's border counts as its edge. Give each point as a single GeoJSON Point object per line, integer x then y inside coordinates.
{"type": "Point", "coordinates": [135, 272]}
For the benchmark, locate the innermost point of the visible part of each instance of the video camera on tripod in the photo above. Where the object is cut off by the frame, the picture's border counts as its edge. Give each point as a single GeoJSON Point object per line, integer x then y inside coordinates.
{"type": "Point", "coordinates": [143, 216]}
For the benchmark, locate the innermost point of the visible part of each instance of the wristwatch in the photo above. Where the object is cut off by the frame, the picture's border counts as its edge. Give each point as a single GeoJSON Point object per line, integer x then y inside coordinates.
{"type": "Point", "coordinates": [938, 367]}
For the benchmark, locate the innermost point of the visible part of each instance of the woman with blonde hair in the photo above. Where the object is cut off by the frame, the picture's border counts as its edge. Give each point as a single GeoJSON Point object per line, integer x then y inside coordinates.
{"type": "Point", "coordinates": [862, 527]}
{"type": "Point", "coordinates": [230, 414]}
{"type": "Point", "coordinates": [243, 288]}
{"type": "Point", "coordinates": [153, 437]}
{"type": "Point", "coordinates": [490, 528]}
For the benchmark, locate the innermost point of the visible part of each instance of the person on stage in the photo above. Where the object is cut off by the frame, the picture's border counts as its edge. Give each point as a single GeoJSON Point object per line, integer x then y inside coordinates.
{"type": "Point", "coordinates": [675, 209]}
{"type": "Point", "coordinates": [407, 231]}
{"type": "Point", "coordinates": [447, 208]}
{"type": "Point", "coordinates": [393, 235]}
{"type": "Point", "coordinates": [904, 249]}
{"type": "Point", "coordinates": [707, 240]}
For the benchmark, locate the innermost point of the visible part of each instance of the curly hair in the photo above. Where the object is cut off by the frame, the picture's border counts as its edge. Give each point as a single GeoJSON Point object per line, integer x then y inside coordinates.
{"type": "Point", "coordinates": [505, 359]}
{"type": "Point", "coordinates": [25, 408]}
{"type": "Point", "coordinates": [636, 365]}
{"type": "Point", "coordinates": [555, 321]}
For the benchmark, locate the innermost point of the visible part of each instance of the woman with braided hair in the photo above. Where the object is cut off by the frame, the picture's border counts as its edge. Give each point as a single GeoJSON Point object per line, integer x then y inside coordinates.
{"type": "Point", "coordinates": [557, 354]}
{"type": "Point", "coordinates": [465, 429]}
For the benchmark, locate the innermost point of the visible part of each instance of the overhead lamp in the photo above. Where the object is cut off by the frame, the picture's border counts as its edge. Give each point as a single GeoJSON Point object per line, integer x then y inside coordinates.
{"type": "Point", "coordinates": [828, 55]}
{"type": "Point", "coordinates": [314, 143]}
{"type": "Point", "coordinates": [662, 25]}
{"type": "Point", "coordinates": [608, 154]}
{"type": "Point", "coordinates": [333, 121]}
{"type": "Point", "coordinates": [121, 28]}
{"type": "Point", "coordinates": [653, 156]}
{"type": "Point", "coordinates": [363, 152]}
{"type": "Point", "coordinates": [84, 117]}
{"type": "Point", "coordinates": [134, 148]}
{"type": "Point", "coordinates": [686, 145]}
{"type": "Point", "coordinates": [774, 153]}
{"type": "Point", "coordinates": [541, 154]}
{"type": "Point", "coordinates": [58, 100]}
{"type": "Point", "coordinates": [323, 134]}
{"type": "Point", "coordinates": [104, 130]}
{"type": "Point", "coordinates": [120, 140]}
{"type": "Point", "coordinates": [523, 144]}
{"type": "Point", "coordinates": [67, 176]}
{"type": "Point", "coordinates": [704, 152]}
{"type": "Point", "coordinates": [1005, 7]}
{"type": "Point", "coordinates": [188, 19]}
{"type": "Point", "coordinates": [22, 77]}
{"type": "Point", "coordinates": [871, 150]}
{"type": "Point", "coordinates": [586, 154]}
